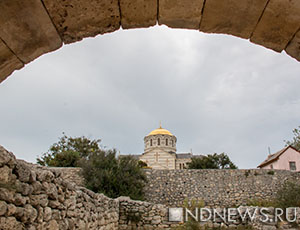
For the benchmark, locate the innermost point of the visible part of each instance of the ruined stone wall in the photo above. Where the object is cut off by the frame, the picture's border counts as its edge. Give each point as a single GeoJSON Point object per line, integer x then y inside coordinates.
{"type": "Point", "coordinates": [39, 198]}
{"type": "Point", "coordinates": [142, 215]}
{"type": "Point", "coordinates": [148, 216]}
{"type": "Point", "coordinates": [34, 197]}
{"type": "Point", "coordinates": [223, 188]}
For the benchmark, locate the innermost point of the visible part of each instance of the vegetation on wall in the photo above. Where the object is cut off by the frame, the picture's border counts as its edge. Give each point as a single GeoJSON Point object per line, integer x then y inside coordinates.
{"type": "Point", "coordinates": [212, 161]}
{"type": "Point", "coordinates": [288, 195]}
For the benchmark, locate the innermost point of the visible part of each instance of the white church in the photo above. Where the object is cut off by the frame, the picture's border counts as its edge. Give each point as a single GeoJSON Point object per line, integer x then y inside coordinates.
{"type": "Point", "coordinates": [160, 151]}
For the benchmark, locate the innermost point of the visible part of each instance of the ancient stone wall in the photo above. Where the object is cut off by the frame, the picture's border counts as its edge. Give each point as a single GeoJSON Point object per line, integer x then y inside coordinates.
{"type": "Point", "coordinates": [148, 216]}
{"type": "Point", "coordinates": [223, 188]}
{"type": "Point", "coordinates": [33, 198]}
{"type": "Point", "coordinates": [142, 215]}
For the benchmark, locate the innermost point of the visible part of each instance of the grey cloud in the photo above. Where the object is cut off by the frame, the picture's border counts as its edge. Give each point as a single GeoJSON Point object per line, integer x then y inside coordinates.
{"type": "Point", "coordinates": [216, 93]}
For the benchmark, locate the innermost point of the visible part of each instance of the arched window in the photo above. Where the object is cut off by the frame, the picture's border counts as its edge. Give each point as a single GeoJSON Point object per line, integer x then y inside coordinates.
{"type": "Point", "coordinates": [172, 143]}
{"type": "Point", "coordinates": [167, 142]}
{"type": "Point", "coordinates": [150, 142]}
{"type": "Point", "coordinates": [158, 141]}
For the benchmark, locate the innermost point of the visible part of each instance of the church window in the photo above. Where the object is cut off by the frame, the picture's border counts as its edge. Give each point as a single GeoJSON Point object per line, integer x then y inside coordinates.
{"type": "Point", "coordinates": [158, 141]}
{"type": "Point", "coordinates": [172, 143]}
{"type": "Point", "coordinates": [166, 142]}
{"type": "Point", "coordinates": [151, 142]}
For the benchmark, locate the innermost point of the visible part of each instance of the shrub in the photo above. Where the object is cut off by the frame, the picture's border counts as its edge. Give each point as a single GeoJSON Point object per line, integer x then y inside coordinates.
{"type": "Point", "coordinates": [104, 173]}
{"type": "Point", "coordinates": [68, 151]}
{"type": "Point", "coordinates": [288, 195]}
{"type": "Point", "coordinates": [212, 161]}
{"type": "Point", "coordinates": [261, 203]}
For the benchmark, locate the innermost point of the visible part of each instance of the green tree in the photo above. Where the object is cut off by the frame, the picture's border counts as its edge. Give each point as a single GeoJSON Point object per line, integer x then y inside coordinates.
{"type": "Point", "coordinates": [114, 177]}
{"type": "Point", "coordinates": [212, 161]}
{"type": "Point", "coordinates": [295, 142]}
{"type": "Point", "coordinates": [68, 151]}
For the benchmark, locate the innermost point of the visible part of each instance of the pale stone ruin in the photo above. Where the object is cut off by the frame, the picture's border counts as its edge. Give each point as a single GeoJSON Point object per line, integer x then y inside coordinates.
{"type": "Point", "coordinates": [39, 198]}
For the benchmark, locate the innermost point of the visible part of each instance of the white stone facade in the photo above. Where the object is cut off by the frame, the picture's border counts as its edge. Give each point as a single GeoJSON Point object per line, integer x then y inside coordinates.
{"type": "Point", "coordinates": [160, 151]}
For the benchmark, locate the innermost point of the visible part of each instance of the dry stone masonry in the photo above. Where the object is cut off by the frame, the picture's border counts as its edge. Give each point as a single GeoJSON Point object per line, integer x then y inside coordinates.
{"type": "Point", "coordinates": [36, 198]}
{"type": "Point", "coordinates": [33, 197]}
{"type": "Point", "coordinates": [47, 24]}
{"type": "Point", "coordinates": [217, 188]}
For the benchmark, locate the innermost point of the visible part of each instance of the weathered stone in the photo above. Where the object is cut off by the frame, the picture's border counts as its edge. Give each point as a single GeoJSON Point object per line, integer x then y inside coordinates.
{"type": "Point", "coordinates": [236, 17]}
{"type": "Point", "coordinates": [5, 174]}
{"type": "Point", "coordinates": [45, 176]}
{"type": "Point", "coordinates": [6, 158]}
{"type": "Point", "coordinates": [180, 13]}
{"type": "Point", "coordinates": [37, 187]}
{"type": "Point", "coordinates": [19, 212]}
{"type": "Point", "coordinates": [47, 214]}
{"type": "Point", "coordinates": [11, 209]}
{"type": "Point", "coordinates": [24, 188]}
{"type": "Point", "coordinates": [10, 223]}
{"type": "Point", "coordinates": [50, 190]}
{"type": "Point", "coordinates": [39, 200]}
{"type": "Point", "coordinates": [278, 24]}
{"type": "Point", "coordinates": [30, 214]}
{"type": "Point", "coordinates": [32, 177]}
{"type": "Point", "coordinates": [6, 195]}
{"type": "Point", "coordinates": [3, 207]}
{"type": "Point", "coordinates": [52, 225]}
{"type": "Point", "coordinates": [293, 48]}
{"type": "Point", "coordinates": [23, 172]}
{"type": "Point", "coordinates": [77, 19]}
{"type": "Point", "coordinates": [19, 200]}
{"type": "Point", "coordinates": [138, 13]}
{"type": "Point", "coordinates": [8, 62]}
{"type": "Point", "coordinates": [32, 36]}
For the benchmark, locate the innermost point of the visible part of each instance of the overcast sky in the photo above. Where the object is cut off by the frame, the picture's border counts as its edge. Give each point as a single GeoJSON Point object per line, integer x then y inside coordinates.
{"type": "Point", "coordinates": [216, 93]}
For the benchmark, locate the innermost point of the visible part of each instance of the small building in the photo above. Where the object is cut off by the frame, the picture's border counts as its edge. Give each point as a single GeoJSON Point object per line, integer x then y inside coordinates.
{"type": "Point", "coordinates": [160, 151]}
{"type": "Point", "coordinates": [287, 158]}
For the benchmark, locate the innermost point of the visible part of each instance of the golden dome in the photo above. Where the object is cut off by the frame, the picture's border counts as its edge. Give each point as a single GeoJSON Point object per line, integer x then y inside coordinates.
{"type": "Point", "coordinates": [161, 131]}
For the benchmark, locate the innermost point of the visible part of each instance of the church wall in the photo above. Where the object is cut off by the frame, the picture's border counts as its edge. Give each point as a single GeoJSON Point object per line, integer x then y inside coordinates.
{"type": "Point", "coordinates": [165, 142]}
{"type": "Point", "coordinates": [182, 163]}
{"type": "Point", "coordinates": [158, 159]}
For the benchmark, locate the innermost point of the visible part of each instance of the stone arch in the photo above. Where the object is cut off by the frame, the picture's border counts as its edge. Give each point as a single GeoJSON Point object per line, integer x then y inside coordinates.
{"type": "Point", "coordinates": [34, 27]}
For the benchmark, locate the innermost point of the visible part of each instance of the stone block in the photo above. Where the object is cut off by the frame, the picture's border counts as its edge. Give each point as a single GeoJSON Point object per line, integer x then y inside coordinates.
{"type": "Point", "coordinates": [27, 29]}
{"type": "Point", "coordinates": [293, 48]}
{"type": "Point", "coordinates": [236, 17]}
{"type": "Point", "coordinates": [8, 62]}
{"type": "Point", "coordinates": [180, 13]}
{"type": "Point", "coordinates": [138, 13]}
{"type": "Point", "coordinates": [3, 207]}
{"type": "Point", "coordinates": [77, 19]}
{"type": "Point", "coordinates": [278, 24]}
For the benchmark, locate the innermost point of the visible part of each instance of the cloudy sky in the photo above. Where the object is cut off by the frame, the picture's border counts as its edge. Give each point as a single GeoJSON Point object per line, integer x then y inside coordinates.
{"type": "Point", "coordinates": [216, 93]}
